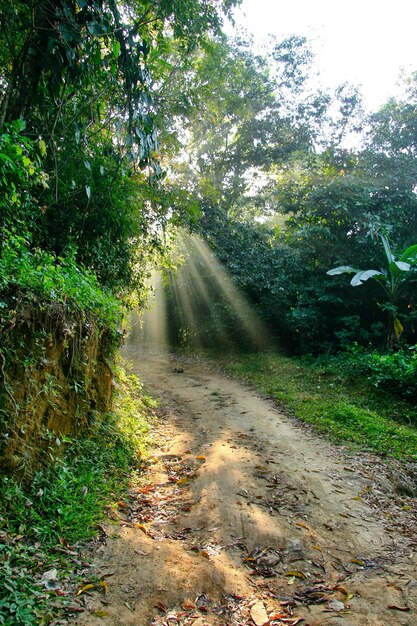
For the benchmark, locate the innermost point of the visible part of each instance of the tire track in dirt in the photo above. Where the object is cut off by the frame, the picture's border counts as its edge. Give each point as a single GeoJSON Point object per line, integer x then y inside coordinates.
{"type": "Point", "coordinates": [244, 517]}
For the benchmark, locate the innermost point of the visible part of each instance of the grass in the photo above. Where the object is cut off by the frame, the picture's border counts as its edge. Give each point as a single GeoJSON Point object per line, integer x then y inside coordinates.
{"type": "Point", "coordinates": [64, 503]}
{"type": "Point", "coordinates": [338, 405]}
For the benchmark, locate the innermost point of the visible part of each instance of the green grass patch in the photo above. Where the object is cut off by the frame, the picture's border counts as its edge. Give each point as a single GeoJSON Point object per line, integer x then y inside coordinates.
{"type": "Point", "coordinates": [64, 502]}
{"type": "Point", "coordinates": [337, 404]}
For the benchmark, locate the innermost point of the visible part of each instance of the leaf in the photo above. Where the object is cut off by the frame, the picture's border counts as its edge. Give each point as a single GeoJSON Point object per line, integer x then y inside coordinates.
{"type": "Point", "coordinates": [141, 527]}
{"type": "Point", "coordinates": [342, 269]}
{"type": "Point", "coordinates": [398, 608]}
{"type": "Point", "coordinates": [296, 573]}
{"type": "Point", "coordinates": [204, 553]}
{"type": "Point", "coordinates": [185, 480]}
{"type": "Point", "coordinates": [398, 328]}
{"type": "Point", "coordinates": [201, 457]}
{"type": "Point", "coordinates": [387, 248]}
{"type": "Point", "coordinates": [85, 588]}
{"type": "Point", "coordinates": [104, 586]}
{"type": "Point", "coordinates": [362, 276]}
{"type": "Point", "coordinates": [188, 606]}
{"type": "Point", "coordinates": [335, 605]}
{"type": "Point", "coordinates": [116, 49]}
{"type": "Point", "coordinates": [88, 191]}
{"type": "Point", "coordinates": [4, 157]}
{"type": "Point", "coordinates": [410, 255]}
{"type": "Point", "coordinates": [42, 147]}
{"type": "Point", "coordinates": [403, 266]}
{"type": "Point", "coordinates": [100, 613]}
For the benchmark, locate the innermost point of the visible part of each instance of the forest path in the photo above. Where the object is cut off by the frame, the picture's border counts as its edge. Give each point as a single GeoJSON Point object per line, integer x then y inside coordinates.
{"type": "Point", "coordinates": [244, 517]}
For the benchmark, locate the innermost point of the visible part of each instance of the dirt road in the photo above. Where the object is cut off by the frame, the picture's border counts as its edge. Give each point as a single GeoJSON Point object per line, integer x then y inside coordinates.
{"type": "Point", "coordinates": [244, 517]}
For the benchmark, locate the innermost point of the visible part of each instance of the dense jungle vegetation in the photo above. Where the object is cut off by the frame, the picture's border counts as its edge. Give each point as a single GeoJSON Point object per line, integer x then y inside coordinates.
{"type": "Point", "coordinates": [125, 123]}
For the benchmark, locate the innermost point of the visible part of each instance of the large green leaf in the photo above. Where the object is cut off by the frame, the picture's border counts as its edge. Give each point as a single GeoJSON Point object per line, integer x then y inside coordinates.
{"type": "Point", "coordinates": [410, 255]}
{"type": "Point", "coordinates": [387, 249]}
{"type": "Point", "coordinates": [362, 276]}
{"type": "Point", "coordinates": [402, 265]}
{"type": "Point", "coordinates": [342, 269]}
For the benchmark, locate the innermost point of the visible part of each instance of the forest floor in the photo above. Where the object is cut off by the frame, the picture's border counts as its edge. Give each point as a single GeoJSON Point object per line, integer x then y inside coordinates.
{"type": "Point", "coordinates": [244, 516]}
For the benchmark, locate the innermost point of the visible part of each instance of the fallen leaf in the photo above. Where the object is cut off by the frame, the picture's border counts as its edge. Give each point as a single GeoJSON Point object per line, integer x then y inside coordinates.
{"type": "Point", "coordinates": [183, 481]}
{"type": "Point", "coordinates": [204, 553]}
{"type": "Point", "coordinates": [188, 606]}
{"type": "Point", "coordinates": [51, 574]}
{"type": "Point", "coordinates": [108, 574]}
{"type": "Point", "coordinates": [359, 562]}
{"type": "Point", "coordinates": [104, 586]}
{"type": "Point", "coordinates": [335, 605]}
{"type": "Point", "coordinates": [346, 593]}
{"type": "Point", "coordinates": [296, 573]}
{"type": "Point", "coordinates": [398, 608]}
{"type": "Point", "coordinates": [147, 488]}
{"type": "Point", "coordinates": [85, 588]}
{"type": "Point", "coordinates": [141, 527]}
{"type": "Point", "coordinates": [201, 457]}
{"type": "Point", "coordinates": [100, 613]}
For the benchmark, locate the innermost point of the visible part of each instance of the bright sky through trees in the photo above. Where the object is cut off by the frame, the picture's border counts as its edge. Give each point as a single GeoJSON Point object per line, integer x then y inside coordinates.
{"type": "Point", "coordinates": [365, 42]}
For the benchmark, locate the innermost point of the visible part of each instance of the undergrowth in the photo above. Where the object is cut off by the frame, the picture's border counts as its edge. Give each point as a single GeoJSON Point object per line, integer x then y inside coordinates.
{"type": "Point", "coordinates": [54, 279]}
{"type": "Point", "coordinates": [63, 504]}
{"type": "Point", "coordinates": [337, 401]}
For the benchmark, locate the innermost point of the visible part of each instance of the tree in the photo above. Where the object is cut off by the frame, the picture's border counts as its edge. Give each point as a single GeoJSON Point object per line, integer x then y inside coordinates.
{"type": "Point", "coordinates": [78, 73]}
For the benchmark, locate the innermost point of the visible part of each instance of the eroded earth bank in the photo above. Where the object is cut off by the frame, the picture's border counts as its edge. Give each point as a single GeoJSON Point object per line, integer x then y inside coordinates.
{"type": "Point", "coordinates": [243, 516]}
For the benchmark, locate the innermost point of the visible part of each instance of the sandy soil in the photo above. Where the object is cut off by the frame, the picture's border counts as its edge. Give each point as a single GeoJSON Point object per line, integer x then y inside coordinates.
{"type": "Point", "coordinates": [243, 516]}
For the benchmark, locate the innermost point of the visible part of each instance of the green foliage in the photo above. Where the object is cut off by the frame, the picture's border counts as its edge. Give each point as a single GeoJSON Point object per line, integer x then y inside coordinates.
{"type": "Point", "coordinates": [79, 74]}
{"type": "Point", "coordinates": [391, 372]}
{"type": "Point", "coordinates": [64, 502]}
{"type": "Point", "coordinates": [21, 604]}
{"type": "Point", "coordinates": [393, 278]}
{"type": "Point", "coordinates": [54, 279]}
{"type": "Point", "coordinates": [21, 176]}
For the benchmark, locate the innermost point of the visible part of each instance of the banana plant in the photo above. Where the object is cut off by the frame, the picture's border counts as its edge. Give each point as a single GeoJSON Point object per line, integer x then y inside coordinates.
{"type": "Point", "coordinates": [392, 279]}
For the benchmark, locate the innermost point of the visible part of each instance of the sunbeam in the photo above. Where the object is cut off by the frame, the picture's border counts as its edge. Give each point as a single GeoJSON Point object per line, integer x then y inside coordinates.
{"type": "Point", "coordinates": [199, 306]}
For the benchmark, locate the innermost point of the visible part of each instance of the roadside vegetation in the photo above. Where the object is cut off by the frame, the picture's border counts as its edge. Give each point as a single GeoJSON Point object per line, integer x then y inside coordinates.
{"type": "Point", "coordinates": [330, 394]}
{"type": "Point", "coordinates": [47, 520]}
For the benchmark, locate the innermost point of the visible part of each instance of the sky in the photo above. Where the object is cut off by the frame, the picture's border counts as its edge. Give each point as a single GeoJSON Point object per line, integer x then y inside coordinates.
{"type": "Point", "coordinates": [364, 42]}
